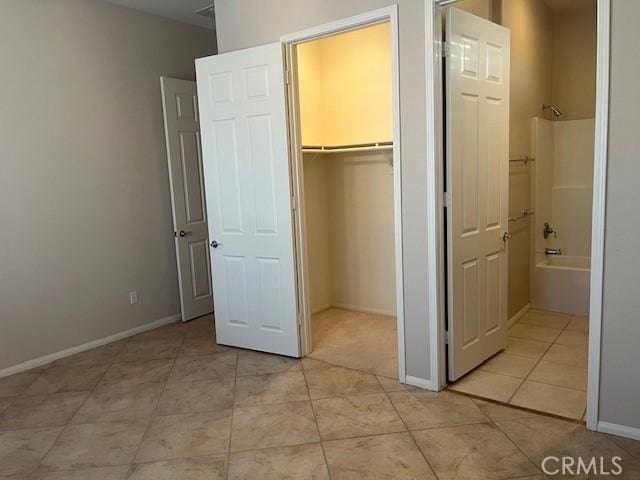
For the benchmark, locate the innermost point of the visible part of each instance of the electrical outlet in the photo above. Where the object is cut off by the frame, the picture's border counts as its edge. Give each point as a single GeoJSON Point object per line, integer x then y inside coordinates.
{"type": "Point", "coordinates": [133, 297]}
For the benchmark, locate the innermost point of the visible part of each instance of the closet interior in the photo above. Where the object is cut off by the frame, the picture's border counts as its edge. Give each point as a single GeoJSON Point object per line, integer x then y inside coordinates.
{"type": "Point", "coordinates": [346, 122]}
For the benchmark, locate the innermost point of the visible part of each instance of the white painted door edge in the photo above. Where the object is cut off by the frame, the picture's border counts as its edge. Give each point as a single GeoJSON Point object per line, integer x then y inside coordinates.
{"type": "Point", "coordinates": [46, 359]}
{"type": "Point", "coordinates": [390, 14]}
{"type": "Point", "coordinates": [435, 195]}
{"type": "Point", "coordinates": [599, 211]}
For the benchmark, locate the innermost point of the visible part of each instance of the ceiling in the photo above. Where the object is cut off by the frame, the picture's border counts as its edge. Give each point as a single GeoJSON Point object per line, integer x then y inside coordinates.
{"type": "Point", "coordinates": [181, 10]}
{"type": "Point", "coordinates": [568, 5]}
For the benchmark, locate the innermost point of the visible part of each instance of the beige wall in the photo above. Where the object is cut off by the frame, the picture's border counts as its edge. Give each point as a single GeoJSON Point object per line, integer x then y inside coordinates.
{"type": "Point", "coordinates": [350, 230]}
{"type": "Point", "coordinates": [620, 380]}
{"type": "Point", "coordinates": [316, 202]}
{"type": "Point", "coordinates": [531, 25]}
{"type": "Point", "coordinates": [84, 196]}
{"type": "Point", "coordinates": [345, 88]}
{"type": "Point", "coordinates": [362, 231]}
{"type": "Point", "coordinates": [481, 8]}
{"type": "Point", "coordinates": [574, 63]}
{"type": "Point", "coordinates": [246, 23]}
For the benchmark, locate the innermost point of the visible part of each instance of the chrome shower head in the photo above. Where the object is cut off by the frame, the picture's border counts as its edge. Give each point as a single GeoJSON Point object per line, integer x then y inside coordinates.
{"type": "Point", "coordinates": [553, 109]}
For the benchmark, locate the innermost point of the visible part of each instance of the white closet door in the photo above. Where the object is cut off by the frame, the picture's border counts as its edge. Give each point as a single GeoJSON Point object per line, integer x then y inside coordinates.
{"type": "Point", "coordinates": [477, 95]}
{"type": "Point", "coordinates": [182, 131]}
{"type": "Point", "coordinates": [247, 180]}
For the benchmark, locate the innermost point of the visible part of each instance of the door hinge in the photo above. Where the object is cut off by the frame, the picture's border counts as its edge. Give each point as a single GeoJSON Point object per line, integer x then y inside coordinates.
{"type": "Point", "coordinates": [446, 199]}
{"type": "Point", "coordinates": [294, 203]}
{"type": "Point", "coordinates": [444, 52]}
{"type": "Point", "coordinates": [288, 77]}
{"type": "Point", "coordinates": [447, 335]}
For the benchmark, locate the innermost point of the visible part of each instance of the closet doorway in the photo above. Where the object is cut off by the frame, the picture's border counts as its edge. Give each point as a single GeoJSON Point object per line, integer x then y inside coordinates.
{"type": "Point", "coordinates": [346, 176]}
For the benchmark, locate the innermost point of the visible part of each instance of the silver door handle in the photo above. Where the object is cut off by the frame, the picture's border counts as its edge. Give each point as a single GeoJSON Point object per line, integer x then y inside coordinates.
{"type": "Point", "coordinates": [506, 236]}
{"type": "Point", "coordinates": [183, 234]}
{"type": "Point", "coordinates": [215, 244]}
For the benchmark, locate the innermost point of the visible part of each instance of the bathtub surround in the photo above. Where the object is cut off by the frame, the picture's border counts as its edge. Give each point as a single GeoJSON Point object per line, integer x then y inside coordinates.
{"type": "Point", "coordinates": [544, 70]}
{"type": "Point", "coordinates": [562, 192]}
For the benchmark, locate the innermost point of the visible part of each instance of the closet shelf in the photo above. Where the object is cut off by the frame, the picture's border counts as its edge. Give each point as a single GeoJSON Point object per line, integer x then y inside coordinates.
{"type": "Point", "coordinates": [360, 147]}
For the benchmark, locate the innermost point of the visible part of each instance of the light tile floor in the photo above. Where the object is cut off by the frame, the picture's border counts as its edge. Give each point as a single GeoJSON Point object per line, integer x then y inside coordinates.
{"type": "Point", "coordinates": [544, 367]}
{"type": "Point", "coordinates": [171, 404]}
{"type": "Point", "coordinates": [357, 340]}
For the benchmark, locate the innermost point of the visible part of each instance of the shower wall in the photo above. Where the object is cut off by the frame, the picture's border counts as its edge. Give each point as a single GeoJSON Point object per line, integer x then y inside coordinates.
{"type": "Point", "coordinates": [562, 184]}
{"type": "Point", "coordinates": [562, 190]}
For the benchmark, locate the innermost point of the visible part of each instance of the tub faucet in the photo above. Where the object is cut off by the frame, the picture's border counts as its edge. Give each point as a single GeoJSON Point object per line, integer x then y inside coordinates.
{"type": "Point", "coordinates": [548, 230]}
{"type": "Point", "coordinates": [553, 251]}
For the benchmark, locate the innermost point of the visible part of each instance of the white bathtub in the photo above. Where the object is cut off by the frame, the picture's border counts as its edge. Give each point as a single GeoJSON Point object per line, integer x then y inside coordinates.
{"type": "Point", "coordinates": [561, 284]}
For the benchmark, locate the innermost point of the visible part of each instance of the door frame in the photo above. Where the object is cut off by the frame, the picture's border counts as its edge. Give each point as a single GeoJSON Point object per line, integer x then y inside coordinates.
{"type": "Point", "coordinates": [436, 199]}
{"type": "Point", "coordinates": [289, 42]}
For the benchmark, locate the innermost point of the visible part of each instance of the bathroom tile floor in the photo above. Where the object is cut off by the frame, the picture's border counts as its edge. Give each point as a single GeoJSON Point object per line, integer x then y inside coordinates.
{"type": "Point", "coordinates": [543, 368]}
{"type": "Point", "coordinates": [172, 404]}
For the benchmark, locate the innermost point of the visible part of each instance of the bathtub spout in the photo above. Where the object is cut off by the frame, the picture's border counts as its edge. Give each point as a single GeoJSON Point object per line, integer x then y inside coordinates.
{"type": "Point", "coordinates": [553, 251]}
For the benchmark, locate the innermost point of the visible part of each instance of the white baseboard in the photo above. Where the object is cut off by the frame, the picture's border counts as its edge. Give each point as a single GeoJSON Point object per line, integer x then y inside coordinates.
{"type": "Point", "coordinates": [321, 308]}
{"type": "Point", "coordinates": [619, 430]}
{"type": "Point", "coordinates": [521, 313]}
{"type": "Point", "coordinates": [420, 383]}
{"type": "Point", "coordinates": [40, 361]}
{"type": "Point", "coordinates": [358, 308]}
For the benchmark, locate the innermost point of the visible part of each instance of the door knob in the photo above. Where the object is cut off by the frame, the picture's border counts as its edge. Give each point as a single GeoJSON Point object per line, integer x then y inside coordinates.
{"type": "Point", "coordinates": [215, 244]}
{"type": "Point", "coordinates": [506, 236]}
{"type": "Point", "coordinates": [183, 234]}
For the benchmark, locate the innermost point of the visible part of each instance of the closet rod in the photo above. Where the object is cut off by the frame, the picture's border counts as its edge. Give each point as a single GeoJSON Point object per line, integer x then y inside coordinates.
{"type": "Point", "coordinates": [524, 159]}
{"type": "Point", "coordinates": [358, 147]}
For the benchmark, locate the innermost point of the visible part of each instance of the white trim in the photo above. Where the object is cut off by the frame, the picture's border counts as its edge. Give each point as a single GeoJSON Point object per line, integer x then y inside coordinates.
{"type": "Point", "coordinates": [343, 25]}
{"type": "Point", "coordinates": [599, 210]}
{"type": "Point", "coordinates": [40, 361]}
{"type": "Point", "coordinates": [599, 198]}
{"type": "Point", "coordinates": [390, 14]}
{"type": "Point", "coordinates": [419, 382]}
{"type": "Point", "coordinates": [619, 430]}
{"type": "Point", "coordinates": [518, 315]}
{"type": "Point", "coordinates": [435, 199]}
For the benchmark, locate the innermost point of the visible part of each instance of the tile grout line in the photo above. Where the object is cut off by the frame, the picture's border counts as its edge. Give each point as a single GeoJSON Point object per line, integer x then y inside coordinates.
{"type": "Point", "coordinates": [233, 411]}
{"type": "Point", "coordinates": [540, 359]}
{"type": "Point", "coordinates": [153, 414]}
{"type": "Point", "coordinates": [535, 365]}
{"type": "Point", "coordinates": [516, 444]}
{"type": "Point", "coordinates": [64, 427]}
{"type": "Point", "coordinates": [413, 439]}
{"type": "Point", "coordinates": [315, 421]}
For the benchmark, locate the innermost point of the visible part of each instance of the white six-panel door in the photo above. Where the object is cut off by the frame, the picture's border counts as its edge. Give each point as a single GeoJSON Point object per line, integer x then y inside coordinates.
{"type": "Point", "coordinates": [247, 180]}
{"type": "Point", "coordinates": [182, 132]}
{"type": "Point", "coordinates": [477, 149]}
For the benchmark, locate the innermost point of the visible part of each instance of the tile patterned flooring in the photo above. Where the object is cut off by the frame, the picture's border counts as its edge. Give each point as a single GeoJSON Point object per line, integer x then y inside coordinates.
{"type": "Point", "coordinates": [338, 333]}
{"type": "Point", "coordinates": [544, 367]}
{"type": "Point", "coordinates": [172, 404]}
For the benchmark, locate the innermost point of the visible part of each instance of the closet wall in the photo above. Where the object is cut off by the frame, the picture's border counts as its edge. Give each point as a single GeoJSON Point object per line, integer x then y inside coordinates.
{"type": "Point", "coordinates": [346, 99]}
{"type": "Point", "coordinates": [350, 231]}
{"type": "Point", "coordinates": [345, 88]}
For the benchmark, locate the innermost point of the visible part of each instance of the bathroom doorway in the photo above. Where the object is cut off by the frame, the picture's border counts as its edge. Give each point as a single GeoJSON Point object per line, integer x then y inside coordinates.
{"type": "Point", "coordinates": [539, 356]}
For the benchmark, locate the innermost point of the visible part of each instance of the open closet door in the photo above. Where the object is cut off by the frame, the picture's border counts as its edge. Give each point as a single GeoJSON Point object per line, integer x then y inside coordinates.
{"type": "Point", "coordinates": [477, 145]}
{"type": "Point", "coordinates": [246, 169]}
